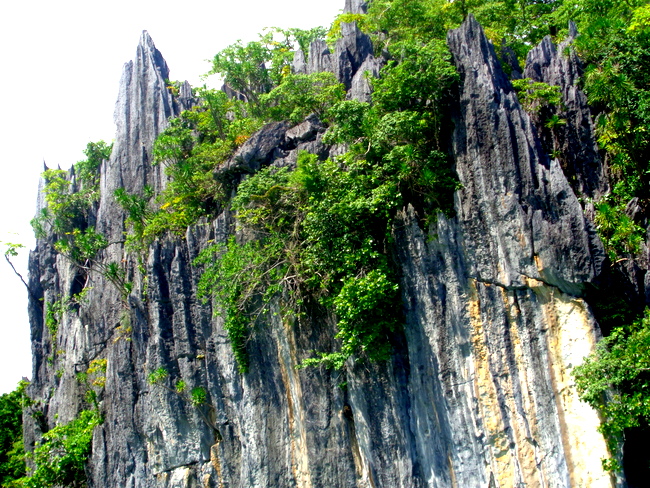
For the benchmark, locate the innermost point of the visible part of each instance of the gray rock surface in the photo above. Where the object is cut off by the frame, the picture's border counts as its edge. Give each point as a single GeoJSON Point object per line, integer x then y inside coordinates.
{"type": "Point", "coordinates": [298, 64]}
{"type": "Point", "coordinates": [320, 58]}
{"type": "Point", "coordinates": [352, 49]}
{"type": "Point", "coordinates": [257, 150]}
{"type": "Point", "coordinates": [186, 99]}
{"type": "Point", "coordinates": [478, 392]}
{"type": "Point", "coordinates": [360, 88]}
{"type": "Point", "coordinates": [356, 6]}
{"type": "Point", "coordinates": [506, 175]}
{"type": "Point", "coordinates": [574, 141]}
{"type": "Point", "coordinates": [352, 61]}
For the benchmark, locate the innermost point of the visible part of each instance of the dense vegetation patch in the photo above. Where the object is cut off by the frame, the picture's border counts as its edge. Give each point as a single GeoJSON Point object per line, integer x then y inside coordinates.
{"type": "Point", "coordinates": [59, 457]}
{"type": "Point", "coordinates": [12, 465]}
{"type": "Point", "coordinates": [323, 230]}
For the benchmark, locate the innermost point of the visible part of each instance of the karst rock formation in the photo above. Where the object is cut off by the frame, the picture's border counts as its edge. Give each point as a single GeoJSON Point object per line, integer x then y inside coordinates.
{"type": "Point", "coordinates": [479, 391]}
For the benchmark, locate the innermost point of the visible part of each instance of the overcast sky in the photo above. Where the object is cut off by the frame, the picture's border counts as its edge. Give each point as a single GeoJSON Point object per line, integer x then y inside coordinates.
{"type": "Point", "coordinates": [60, 65]}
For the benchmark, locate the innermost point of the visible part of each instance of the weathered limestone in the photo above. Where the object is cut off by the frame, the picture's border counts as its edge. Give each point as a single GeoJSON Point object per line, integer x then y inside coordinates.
{"type": "Point", "coordinates": [356, 6]}
{"type": "Point", "coordinates": [360, 88]}
{"type": "Point", "coordinates": [573, 141]}
{"type": "Point", "coordinates": [320, 58]}
{"type": "Point", "coordinates": [506, 175]}
{"type": "Point", "coordinates": [352, 61]}
{"type": "Point", "coordinates": [352, 49]}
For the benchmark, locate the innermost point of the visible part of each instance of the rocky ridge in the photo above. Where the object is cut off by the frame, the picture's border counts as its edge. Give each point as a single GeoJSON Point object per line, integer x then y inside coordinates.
{"type": "Point", "coordinates": [479, 390]}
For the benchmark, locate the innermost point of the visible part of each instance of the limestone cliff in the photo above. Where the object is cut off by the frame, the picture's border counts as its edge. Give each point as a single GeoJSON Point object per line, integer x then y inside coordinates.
{"type": "Point", "coordinates": [479, 391]}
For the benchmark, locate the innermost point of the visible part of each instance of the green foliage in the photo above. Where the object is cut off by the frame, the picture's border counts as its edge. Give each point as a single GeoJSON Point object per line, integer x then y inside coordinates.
{"type": "Point", "coordinates": [115, 273]}
{"type": "Point", "coordinates": [69, 205]}
{"type": "Point", "coordinates": [198, 396]}
{"type": "Point", "coordinates": [621, 236]}
{"type": "Point", "coordinates": [12, 249]}
{"type": "Point", "coordinates": [87, 170]}
{"type": "Point", "coordinates": [534, 95]}
{"type": "Point", "coordinates": [242, 279]}
{"type": "Point", "coordinates": [322, 233]}
{"type": "Point", "coordinates": [244, 68]}
{"type": "Point", "coordinates": [137, 209]}
{"type": "Point", "coordinates": [54, 314]}
{"type": "Point", "coordinates": [300, 95]}
{"type": "Point", "coordinates": [302, 38]}
{"type": "Point", "coordinates": [614, 44]}
{"type": "Point", "coordinates": [158, 376]}
{"type": "Point", "coordinates": [615, 47]}
{"type": "Point", "coordinates": [54, 311]}
{"type": "Point", "coordinates": [180, 386]}
{"type": "Point", "coordinates": [61, 456]}
{"type": "Point", "coordinates": [255, 68]}
{"type": "Point", "coordinates": [366, 308]}
{"type": "Point", "coordinates": [640, 23]}
{"type": "Point", "coordinates": [190, 149]}
{"type": "Point", "coordinates": [81, 246]}
{"type": "Point", "coordinates": [12, 465]}
{"type": "Point", "coordinates": [615, 381]}
{"type": "Point", "coordinates": [408, 20]}
{"type": "Point", "coordinates": [334, 32]}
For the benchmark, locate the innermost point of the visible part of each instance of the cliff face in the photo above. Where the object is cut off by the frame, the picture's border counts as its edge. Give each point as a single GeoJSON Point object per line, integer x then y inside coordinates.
{"type": "Point", "coordinates": [479, 390]}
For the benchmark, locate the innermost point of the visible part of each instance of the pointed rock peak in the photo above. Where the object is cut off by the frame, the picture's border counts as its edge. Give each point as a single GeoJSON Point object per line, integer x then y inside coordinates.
{"type": "Point", "coordinates": [298, 64]}
{"type": "Point", "coordinates": [573, 30]}
{"type": "Point", "coordinates": [143, 107]}
{"type": "Point", "coordinates": [147, 41]}
{"type": "Point", "coordinates": [473, 52]}
{"type": "Point", "coordinates": [575, 140]}
{"type": "Point", "coordinates": [471, 27]}
{"type": "Point", "coordinates": [355, 7]}
{"type": "Point", "coordinates": [147, 49]}
{"type": "Point", "coordinates": [352, 49]}
{"type": "Point", "coordinates": [469, 31]}
{"type": "Point", "coordinates": [539, 58]}
{"type": "Point", "coordinates": [469, 40]}
{"type": "Point", "coordinates": [185, 97]}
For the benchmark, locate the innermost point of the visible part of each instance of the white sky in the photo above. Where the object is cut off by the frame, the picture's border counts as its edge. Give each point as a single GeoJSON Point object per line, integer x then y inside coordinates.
{"type": "Point", "coordinates": [60, 66]}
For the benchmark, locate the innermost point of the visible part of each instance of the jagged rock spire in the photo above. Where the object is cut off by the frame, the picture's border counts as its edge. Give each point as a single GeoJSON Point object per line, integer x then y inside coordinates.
{"type": "Point", "coordinates": [144, 104]}
{"type": "Point", "coordinates": [355, 7]}
{"type": "Point", "coordinates": [498, 155]}
{"type": "Point", "coordinates": [575, 139]}
{"type": "Point", "coordinates": [478, 392]}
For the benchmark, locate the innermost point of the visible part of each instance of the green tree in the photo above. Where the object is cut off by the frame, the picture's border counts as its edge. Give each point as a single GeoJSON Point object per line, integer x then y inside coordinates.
{"type": "Point", "coordinates": [256, 67]}
{"type": "Point", "coordinates": [12, 465]}
{"type": "Point", "coordinates": [70, 202]}
{"type": "Point", "coordinates": [244, 68]}
{"type": "Point", "coordinates": [615, 380]}
{"type": "Point", "coordinates": [300, 95]}
{"type": "Point", "coordinates": [60, 458]}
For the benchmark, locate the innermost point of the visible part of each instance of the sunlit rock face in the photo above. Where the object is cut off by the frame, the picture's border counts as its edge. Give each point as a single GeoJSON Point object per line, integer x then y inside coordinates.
{"type": "Point", "coordinates": [479, 391]}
